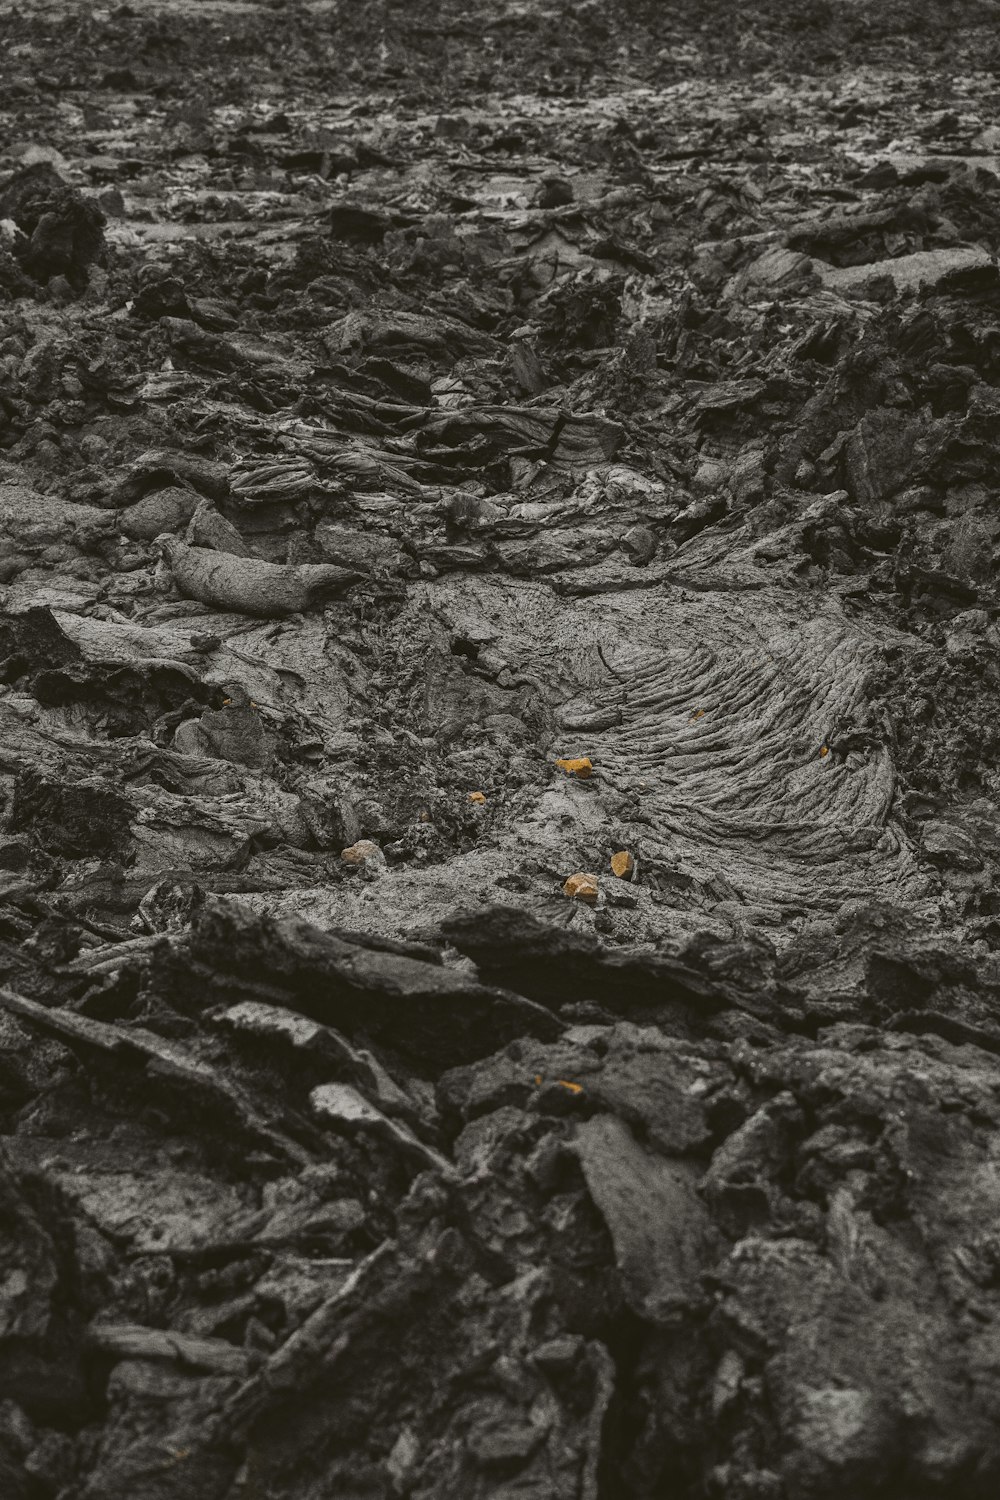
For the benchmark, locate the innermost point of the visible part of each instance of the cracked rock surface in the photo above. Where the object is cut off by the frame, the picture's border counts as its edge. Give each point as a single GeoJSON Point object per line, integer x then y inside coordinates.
{"type": "Point", "coordinates": [499, 808]}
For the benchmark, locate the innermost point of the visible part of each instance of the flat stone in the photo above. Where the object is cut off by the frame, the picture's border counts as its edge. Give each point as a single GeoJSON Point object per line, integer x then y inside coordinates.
{"type": "Point", "coordinates": [922, 268]}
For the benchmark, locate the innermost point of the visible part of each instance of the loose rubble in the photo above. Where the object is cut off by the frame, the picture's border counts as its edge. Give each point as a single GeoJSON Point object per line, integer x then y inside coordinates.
{"type": "Point", "coordinates": [500, 843]}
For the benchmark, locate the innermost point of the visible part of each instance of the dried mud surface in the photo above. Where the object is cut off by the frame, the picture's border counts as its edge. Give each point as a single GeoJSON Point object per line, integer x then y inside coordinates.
{"type": "Point", "coordinates": [397, 400]}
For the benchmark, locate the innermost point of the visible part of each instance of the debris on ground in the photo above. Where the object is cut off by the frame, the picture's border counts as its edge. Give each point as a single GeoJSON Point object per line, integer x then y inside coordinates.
{"type": "Point", "coordinates": [583, 887]}
{"type": "Point", "coordinates": [499, 793]}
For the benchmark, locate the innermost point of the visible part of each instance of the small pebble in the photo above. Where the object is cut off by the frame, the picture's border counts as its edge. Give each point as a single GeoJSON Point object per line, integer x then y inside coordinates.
{"type": "Point", "coordinates": [579, 767]}
{"type": "Point", "coordinates": [362, 853]}
{"type": "Point", "coordinates": [582, 887]}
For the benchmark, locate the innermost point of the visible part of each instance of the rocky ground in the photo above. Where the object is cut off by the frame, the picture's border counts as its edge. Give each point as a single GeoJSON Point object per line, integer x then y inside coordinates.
{"type": "Point", "coordinates": [499, 681]}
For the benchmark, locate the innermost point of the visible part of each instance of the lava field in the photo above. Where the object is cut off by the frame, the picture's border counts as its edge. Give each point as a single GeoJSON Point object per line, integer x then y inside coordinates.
{"type": "Point", "coordinates": [500, 750]}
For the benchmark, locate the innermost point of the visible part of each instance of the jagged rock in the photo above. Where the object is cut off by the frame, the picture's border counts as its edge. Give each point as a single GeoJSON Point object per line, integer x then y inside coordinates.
{"type": "Point", "coordinates": [583, 887]}
{"type": "Point", "coordinates": [234, 732]}
{"type": "Point", "coordinates": [207, 529]}
{"type": "Point", "coordinates": [166, 469]}
{"type": "Point", "coordinates": [168, 509]}
{"type": "Point", "coordinates": [526, 954]}
{"type": "Point", "coordinates": [907, 272]}
{"type": "Point", "coordinates": [407, 1002]}
{"type": "Point", "coordinates": [61, 232]}
{"type": "Point", "coordinates": [661, 1230]}
{"type": "Point", "coordinates": [565, 384]}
